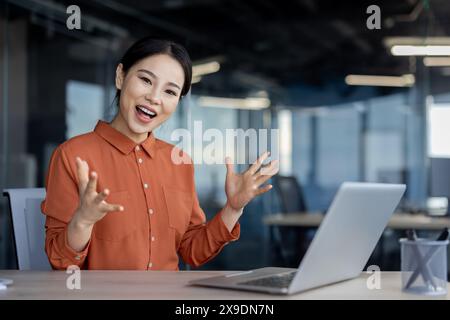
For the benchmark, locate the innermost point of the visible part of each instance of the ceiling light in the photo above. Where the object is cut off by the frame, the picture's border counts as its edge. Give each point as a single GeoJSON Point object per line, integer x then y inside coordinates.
{"type": "Point", "coordinates": [406, 80]}
{"type": "Point", "coordinates": [205, 68]}
{"type": "Point", "coordinates": [389, 42]}
{"type": "Point", "coordinates": [426, 50]}
{"type": "Point", "coordinates": [233, 103]}
{"type": "Point", "coordinates": [436, 61]}
{"type": "Point", "coordinates": [196, 79]}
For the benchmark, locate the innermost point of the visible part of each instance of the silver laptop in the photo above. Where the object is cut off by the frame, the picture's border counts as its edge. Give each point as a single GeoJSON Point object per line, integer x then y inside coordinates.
{"type": "Point", "coordinates": [340, 249]}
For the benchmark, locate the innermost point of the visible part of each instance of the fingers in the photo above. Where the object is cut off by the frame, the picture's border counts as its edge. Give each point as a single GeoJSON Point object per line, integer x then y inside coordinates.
{"type": "Point", "coordinates": [255, 166]}
{"type": "Point", "coordinates": [229, 165]}
{"type": "Point", "coordinates": [270, 169]}
{"type": "Point", "coordinates": [104, 206]}
{"type": "Point", "coordinates": [267, 172]}
{"type": "Point", "coordinates": [83, 174]}
{"type": "Point", "coordinates": [263, 190]}
{"type": "Point", "coordinates": [261, 179]}
{"type": "Point", "coordinates": [108, 207]}
{"type": "Point", "coordinates": [92, 184]}
{"type": "Point", "coordinates": [101, 196]}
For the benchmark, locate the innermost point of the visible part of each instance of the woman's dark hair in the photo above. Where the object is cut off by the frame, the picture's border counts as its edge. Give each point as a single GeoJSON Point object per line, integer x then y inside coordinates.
{"type": "Point", "coordinates": [148, 46]}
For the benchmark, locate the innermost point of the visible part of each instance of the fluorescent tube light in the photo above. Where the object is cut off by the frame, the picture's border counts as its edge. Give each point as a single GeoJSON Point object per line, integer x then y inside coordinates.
{"type": "Point", "coordinates": [428, 50]}
{"type": "Point", "coordinates": [205, 68]}
{"type": "Point", "coordinates": [233, 103]}
{"type": "Point", "coordinates": [389, 42]}
{"type": "Point", "coordinates": [436, 61]}
{"type": "Point", "coordinates": [196, 79]}
{"type": "Point", "coordinates": [406, 80]}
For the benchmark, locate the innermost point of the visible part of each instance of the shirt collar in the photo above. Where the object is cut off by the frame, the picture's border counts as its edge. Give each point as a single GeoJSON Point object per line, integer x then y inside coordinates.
{"type": "Point", "coordinates": [121, 141]}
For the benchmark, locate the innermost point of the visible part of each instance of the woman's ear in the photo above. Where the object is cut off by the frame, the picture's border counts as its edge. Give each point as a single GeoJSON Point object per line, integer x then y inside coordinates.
{"type": "Point", "coordinates": [119, 76]}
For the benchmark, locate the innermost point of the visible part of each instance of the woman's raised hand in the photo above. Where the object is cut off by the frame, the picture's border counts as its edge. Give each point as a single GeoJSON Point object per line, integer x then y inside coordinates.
{"type": "Point", "coordinates": [93, 206]}
{"type": "Point", "coordinates": [242, 188]}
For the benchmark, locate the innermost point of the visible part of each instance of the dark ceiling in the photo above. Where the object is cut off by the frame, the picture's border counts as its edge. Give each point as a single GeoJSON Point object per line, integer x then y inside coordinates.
{"type": "Point", "coordinates": [279, 42]}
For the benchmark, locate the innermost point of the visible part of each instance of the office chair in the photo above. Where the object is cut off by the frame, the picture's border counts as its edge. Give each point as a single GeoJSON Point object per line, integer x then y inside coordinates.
{"type": "Point", "coordinates": [28, 224]}
{"type": "Point", "coordinates": [290, 194]}
{"type": "Point", "coordinates": [291, 243]}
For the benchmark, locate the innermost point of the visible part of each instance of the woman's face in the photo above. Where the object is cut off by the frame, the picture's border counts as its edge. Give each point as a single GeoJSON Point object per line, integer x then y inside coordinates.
{"type": "Point", "coordinates": [150, 92]}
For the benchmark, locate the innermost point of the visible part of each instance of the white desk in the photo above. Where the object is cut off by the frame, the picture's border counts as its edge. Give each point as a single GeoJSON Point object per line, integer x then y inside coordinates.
{"type": "Point", "coordinates": [172, 285]}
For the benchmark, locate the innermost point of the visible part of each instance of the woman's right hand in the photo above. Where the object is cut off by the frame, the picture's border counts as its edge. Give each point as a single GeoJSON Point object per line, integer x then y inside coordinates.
{"type": "Point", "coordinates": [93, 206]}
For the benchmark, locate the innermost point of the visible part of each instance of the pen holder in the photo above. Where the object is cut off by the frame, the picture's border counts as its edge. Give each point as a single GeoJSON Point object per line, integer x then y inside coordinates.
{"type": "Point", "coordinates": [424, 266]}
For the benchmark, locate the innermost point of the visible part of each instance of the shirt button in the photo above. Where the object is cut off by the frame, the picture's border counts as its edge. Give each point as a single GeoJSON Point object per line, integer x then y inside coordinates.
{"type": "Point", "coordinates": [77, 257]}
{"type": "Point", "coordinates": [150, 265]}
{"type": "Point", "coordinates": [140, 160]}
{"type": "Point", "coordinates": [145, 186]}
{"type": "Point", "coordinates": [137, 148]}
{"type": "Point", "coordinates": [153, 238]}
{"type": "Point", "coordinates": [150, 211]}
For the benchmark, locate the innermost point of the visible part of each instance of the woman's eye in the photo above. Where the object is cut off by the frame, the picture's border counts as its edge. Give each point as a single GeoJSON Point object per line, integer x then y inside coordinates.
{"type": "Point", "coordinates": [171, 92]}
{"type": "Point", "coordinates": [146, 80]}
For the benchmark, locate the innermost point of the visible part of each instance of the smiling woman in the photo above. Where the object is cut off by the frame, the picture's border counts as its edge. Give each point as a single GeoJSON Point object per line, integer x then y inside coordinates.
{"type": "Point", "coordinates": [116, 200]}
{"type": "Point", "coordinates": [150, 73]}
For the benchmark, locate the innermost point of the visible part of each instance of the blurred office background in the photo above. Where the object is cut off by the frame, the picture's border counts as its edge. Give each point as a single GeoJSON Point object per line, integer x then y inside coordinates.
{"type": "Point", "coordinates": [300, 60]}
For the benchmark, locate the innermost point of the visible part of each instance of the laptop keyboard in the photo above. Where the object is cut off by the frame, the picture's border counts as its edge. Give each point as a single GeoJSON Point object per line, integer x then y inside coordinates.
{"type": "Point", "coordinates": [275, 281]}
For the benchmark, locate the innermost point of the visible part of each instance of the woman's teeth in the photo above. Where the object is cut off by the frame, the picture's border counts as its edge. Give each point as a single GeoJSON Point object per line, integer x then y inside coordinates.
{"type": "Point", "coordinates": [146, 111]}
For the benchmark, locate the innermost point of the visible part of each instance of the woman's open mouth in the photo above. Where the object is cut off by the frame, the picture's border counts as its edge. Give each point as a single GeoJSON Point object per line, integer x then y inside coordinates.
{"type": "Point", "coordinates": [144, 114]}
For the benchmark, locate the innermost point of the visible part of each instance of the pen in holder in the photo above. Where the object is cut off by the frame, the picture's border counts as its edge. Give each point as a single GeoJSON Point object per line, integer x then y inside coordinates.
{"type": "Point", "coordinates": [424, 264]}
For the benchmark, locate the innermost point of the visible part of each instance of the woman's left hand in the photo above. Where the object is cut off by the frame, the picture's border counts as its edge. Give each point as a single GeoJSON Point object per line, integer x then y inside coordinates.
{"type": "Point", "coordinates": [242, 188]}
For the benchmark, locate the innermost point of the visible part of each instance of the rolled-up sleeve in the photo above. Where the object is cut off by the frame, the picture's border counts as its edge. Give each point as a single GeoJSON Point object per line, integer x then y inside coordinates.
{"type": "Point", "coordinates": [60, 204]}
{"type": "Point", "coordinates": [204, 240]}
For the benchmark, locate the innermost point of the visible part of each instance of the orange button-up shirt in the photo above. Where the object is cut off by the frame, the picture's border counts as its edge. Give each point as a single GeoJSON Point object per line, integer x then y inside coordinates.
{"type": "Point", "coordinates": [162, 216]}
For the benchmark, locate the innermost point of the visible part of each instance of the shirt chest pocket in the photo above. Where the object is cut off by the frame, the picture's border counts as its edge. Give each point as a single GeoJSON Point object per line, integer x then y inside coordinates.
{"type": "Point", "coordinates": [116, 225]}
{"type": "Point", "coordinates": [179, 208]}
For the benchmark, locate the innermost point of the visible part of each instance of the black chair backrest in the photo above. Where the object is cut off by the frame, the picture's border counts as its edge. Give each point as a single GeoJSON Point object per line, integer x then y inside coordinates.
{"type": "Point", "coordinates": [290, 194]}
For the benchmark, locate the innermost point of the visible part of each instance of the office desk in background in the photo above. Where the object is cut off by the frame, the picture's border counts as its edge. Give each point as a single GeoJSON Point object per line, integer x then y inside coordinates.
{"type": "Point", "coordinates": [308, 220]}
{"type": "Point", "coordinates": [398, 221]}
{"type": "Point", "coordinates": [172, 285]}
